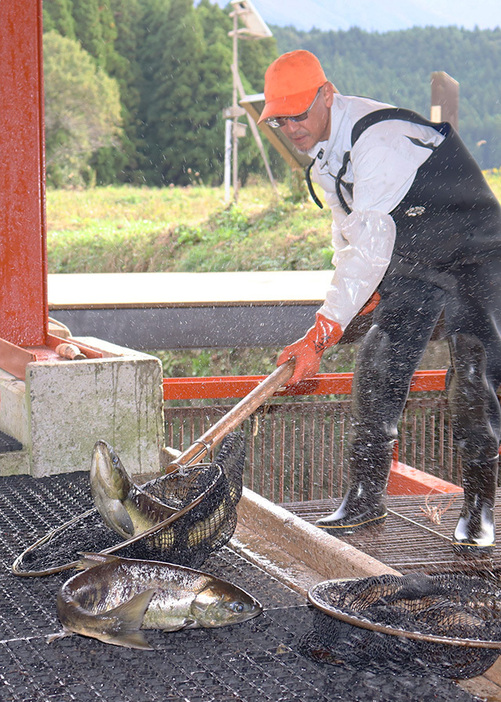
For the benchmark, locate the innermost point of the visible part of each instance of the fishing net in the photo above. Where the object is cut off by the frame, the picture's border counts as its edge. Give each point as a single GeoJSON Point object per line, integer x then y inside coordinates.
{"type": "Point", "coordinates": [448, 624]}
{"type": "Point", "coordinates": [204, 498]}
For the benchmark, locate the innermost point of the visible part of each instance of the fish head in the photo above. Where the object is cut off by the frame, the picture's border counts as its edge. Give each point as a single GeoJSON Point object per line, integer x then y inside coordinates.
{"type": "Point", "coordinates": [110, 485]}
{"type": "Point", "coordinates": [221, 603]}
{"type": "Point", "coordinates": [107, 471]}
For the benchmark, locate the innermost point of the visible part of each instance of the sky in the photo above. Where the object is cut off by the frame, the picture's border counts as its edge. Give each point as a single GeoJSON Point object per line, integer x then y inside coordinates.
{"type": "Point", "coordinates": [378, 15]}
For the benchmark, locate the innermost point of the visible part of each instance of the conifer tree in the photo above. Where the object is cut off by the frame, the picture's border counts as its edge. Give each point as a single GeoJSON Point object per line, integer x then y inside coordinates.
{"type": "Point", "coordinates": [173, 111]}
{"type": "Point", "coordinates": [88, 28]}
{"type": "Point", "coordinates": [215, 90]}
{"type": "Point", "coordinates": [121, 163]}
{"type": "Point", "coordinates": [57, 15]}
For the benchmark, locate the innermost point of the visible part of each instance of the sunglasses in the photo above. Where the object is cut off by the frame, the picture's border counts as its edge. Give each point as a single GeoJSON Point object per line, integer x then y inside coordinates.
{"type": "Point", "coordinates": [277, 122]}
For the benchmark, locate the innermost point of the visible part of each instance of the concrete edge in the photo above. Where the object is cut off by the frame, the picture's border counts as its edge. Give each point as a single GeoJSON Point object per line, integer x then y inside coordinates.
{"type": "Point", "coordinates": [14, 463]}
{"type": "Point", "coordinates": [322, 553]}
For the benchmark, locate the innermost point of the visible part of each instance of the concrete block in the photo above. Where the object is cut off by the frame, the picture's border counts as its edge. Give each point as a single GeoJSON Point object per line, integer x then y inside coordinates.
{"type": "Point", "coordinates": [14, 463]}
{"type": "Point", "coordinates": [13, 409]}
{"type": "Point", "coordinates": [64, 407]}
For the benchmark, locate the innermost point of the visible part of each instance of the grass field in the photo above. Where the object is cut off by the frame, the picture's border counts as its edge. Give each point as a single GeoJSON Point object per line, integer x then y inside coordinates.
{"type": "Point", "coordinates": [117, 229]}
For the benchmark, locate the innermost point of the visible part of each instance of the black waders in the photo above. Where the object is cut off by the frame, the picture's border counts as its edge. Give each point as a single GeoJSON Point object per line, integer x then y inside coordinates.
{"type": "Point", "coordinates": [447, 258]}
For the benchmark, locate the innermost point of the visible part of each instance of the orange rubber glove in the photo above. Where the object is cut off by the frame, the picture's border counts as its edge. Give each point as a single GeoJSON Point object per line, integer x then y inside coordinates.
{"type": "Point", "coordinates": [309, 349]}
{"type": "Point", "coordinates": [371, 304]}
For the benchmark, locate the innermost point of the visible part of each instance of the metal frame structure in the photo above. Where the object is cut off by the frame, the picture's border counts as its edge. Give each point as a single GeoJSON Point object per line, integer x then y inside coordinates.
{"type": "Point", "coordinates": [254, 28]}
{"type": "Point", "coordinates": [23, 267]}
{"type": "Point", "coordinates": [24, 316]}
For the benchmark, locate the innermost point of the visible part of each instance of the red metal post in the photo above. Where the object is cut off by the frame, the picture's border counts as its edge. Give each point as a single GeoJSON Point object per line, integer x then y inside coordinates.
{"type": "Point", "coordinates": [23, 273]}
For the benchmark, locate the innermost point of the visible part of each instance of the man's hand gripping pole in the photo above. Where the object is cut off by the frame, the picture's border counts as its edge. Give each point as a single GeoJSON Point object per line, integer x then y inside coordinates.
{"type": "Point", "coordinates": [308, 350]}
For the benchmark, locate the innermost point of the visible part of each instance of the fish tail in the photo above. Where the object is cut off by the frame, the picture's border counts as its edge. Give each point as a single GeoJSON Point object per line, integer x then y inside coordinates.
{"type": "Point", "coordinates": [90, 560]}
{"type": "Point", "coordinates": [50, 638]}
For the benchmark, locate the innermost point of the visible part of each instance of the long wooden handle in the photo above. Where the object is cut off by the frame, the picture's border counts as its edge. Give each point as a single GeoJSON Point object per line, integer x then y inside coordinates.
{"type": "Point", "coordinates": [234, 417]}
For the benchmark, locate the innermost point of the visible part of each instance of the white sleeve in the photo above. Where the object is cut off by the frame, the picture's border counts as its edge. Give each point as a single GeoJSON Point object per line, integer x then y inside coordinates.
{"type": "Point", "coordinates": [363, 248]}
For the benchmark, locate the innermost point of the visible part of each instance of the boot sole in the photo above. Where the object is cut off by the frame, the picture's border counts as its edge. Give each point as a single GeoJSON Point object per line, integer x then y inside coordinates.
{"type": "Point", "coordinates": [349, 528]}
{"type": "Point", "coordinates": [472, 549]}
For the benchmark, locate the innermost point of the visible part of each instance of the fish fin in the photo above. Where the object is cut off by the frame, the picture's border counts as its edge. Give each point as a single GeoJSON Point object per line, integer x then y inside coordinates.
{"type": "Point", "coordinates": [182, 624]}
{"type": "Point", "coordinates": [130, 639]}
{"type": "Point", "coordinates": [131, 613]}
{"type": "Point", "coordinates": [114, 515]}
{"type": "Point", "coordinates": [120, 518]}
{"type": "Point", "coordinates": [90, 560]}
{"type": "Point", "coordinates": [174, 627]}
{"type": "Point", "coordinates": [130, 616]}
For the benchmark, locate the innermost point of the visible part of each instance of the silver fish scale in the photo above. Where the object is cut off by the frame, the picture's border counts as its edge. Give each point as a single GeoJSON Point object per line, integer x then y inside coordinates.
{"type": "Point", "coordinates": [110, 585]}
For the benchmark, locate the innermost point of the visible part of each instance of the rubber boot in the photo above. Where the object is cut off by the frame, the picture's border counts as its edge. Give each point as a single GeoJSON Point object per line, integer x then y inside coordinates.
{"type": "Point", "coordinates": [475, 532]}
{"type": "Point", "coordinates": [364, 503]}
{"type": "Point", "coordinates": [476, 418]}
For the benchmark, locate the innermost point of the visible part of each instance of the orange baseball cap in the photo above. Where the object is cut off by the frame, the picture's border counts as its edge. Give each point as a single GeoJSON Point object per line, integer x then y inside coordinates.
{"type": "Point", "coordinates": [291, 84]}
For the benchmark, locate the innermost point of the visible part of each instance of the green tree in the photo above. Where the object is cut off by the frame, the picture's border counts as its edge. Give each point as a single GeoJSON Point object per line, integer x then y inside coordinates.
{"type": "Point", "coordinates": [82, 110]}
{"type": "Point", "coordinates": [88, 28]}
{"type": "Point", "coordinates": [122, 163]}
{"type": "Point", "coordinates": [173, 112]}
{"type": "Point", "coordinates": [186, 62]}
{"type": "Point", "coordinates": [214, 91]}
{"type": "Point", "coordinates": [57, 15]}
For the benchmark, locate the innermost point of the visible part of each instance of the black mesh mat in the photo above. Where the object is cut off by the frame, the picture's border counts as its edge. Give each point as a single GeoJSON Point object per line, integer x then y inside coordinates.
{"type": "Point", "coordinates": [258, 661]}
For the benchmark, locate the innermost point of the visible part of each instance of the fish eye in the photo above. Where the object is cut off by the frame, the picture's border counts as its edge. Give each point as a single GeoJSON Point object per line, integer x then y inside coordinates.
{"type": "Point", "coordinates": [237, 607]}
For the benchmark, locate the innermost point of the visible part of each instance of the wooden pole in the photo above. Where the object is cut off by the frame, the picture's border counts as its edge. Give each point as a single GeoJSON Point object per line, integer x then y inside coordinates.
{"type": "Point", "coordinates": [444, 99]}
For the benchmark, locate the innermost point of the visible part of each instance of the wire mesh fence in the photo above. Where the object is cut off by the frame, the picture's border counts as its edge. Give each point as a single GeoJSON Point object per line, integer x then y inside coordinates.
{"type": "Point", "coordinates": [297, 450]}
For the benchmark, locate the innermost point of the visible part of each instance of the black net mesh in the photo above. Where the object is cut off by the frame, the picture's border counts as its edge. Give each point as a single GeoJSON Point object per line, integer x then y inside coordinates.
{"type": "Point", "coordinates": [449, 624]}
{"type": "Point", "coordinates": [188, 540]}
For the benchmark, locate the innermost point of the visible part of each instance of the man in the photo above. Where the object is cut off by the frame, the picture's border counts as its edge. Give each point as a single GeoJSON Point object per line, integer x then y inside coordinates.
{"type": "Point", "coordinates": [415, 227]}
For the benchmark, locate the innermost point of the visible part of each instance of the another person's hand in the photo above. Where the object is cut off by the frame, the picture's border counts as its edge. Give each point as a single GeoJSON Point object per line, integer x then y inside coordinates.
{"type": "Point", "coordinates": [308, 350]}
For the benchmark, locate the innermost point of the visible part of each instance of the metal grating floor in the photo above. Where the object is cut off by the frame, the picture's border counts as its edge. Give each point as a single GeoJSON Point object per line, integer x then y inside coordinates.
{"type": "Point", "coordinates": [258, 661]}
{"type": "Point", "coordinates": [408, 540]}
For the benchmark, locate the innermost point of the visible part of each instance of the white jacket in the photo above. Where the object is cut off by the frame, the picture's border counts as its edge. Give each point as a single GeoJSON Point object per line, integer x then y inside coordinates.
{"type": "Point", "coordinates": [382, 168]}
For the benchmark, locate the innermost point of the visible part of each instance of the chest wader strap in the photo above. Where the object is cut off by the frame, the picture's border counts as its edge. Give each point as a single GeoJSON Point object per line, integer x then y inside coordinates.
{"type": "Point", "coordinates": [311, 189]}
{"type": "Point", "coordinates": [388, 113]}
{"type": "Point", "coordinates": [339, 183]}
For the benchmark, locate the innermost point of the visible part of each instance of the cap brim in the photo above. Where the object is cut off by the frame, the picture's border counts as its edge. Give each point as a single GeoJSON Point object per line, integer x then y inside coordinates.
{"type": "Point", "coordinates": [289, 105]}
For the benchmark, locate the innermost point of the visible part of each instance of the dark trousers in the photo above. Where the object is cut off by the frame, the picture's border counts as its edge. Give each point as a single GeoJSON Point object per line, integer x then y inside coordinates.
{"type": "Point", "coordinates": [411, 304]}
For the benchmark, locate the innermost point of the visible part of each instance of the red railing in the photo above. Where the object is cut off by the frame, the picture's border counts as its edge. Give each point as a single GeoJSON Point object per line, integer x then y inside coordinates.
{"type": "Point", "coordinates": [297, 450]}
{"type": "Point", "coordinates": [322, 384]}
